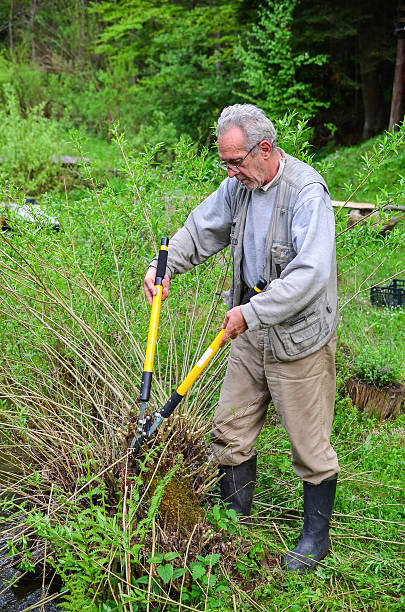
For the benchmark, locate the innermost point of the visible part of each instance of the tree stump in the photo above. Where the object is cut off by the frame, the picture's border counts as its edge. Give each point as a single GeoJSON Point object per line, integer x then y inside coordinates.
{"type": "Point", "coordinates": [381, 401]}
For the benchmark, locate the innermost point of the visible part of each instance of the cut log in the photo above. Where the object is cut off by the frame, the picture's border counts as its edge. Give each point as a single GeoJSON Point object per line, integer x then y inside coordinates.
{"type": "Point", "coordinates": [358, 205]}
{"type": "Point", "coordinates": [384, 402]}
{"type": "Point", "coordinates": [365, 207]}
{"type": "Point", "coordinates": [356, 216]}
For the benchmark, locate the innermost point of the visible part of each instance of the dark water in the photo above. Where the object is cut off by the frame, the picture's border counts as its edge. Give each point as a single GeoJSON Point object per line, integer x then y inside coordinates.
{"type": "Point", "coordinates": [28, 591]}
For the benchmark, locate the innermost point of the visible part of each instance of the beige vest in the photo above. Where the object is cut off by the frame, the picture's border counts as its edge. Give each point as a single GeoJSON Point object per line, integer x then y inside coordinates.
{"type": "Point", "coordinates": [311, 328]}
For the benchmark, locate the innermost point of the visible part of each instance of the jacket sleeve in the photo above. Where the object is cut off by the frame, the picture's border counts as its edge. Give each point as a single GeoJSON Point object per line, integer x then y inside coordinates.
{"type": "Point", "coordinates": [308, 273]}
{"type": "Point", "coordinates": [205, 232]}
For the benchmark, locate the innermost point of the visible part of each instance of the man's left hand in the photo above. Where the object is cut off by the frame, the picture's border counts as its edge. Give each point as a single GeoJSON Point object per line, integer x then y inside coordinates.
{"type": "Point", "coordinates": [234, 324]}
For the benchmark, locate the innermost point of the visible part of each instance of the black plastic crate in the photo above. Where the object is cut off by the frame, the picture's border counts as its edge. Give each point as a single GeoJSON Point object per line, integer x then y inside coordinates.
{"type": "Point", "coordinates": [393, 295]}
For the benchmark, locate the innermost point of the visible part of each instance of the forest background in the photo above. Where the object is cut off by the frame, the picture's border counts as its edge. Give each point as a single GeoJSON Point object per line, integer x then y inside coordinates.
{"type": "Point", "coordinates": [166, 68]}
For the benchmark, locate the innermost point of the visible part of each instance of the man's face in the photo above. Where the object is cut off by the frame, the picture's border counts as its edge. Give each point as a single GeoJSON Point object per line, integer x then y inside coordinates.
{"type": "Point", "coordinates": [253, 172]}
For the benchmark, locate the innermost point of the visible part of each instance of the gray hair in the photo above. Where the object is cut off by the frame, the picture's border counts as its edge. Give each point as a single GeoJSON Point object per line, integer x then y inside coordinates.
{"type": "Point", "coordinates": [251, 120]}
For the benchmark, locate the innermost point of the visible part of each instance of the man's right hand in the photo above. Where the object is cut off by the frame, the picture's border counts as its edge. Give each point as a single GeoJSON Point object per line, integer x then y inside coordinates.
{"type": "Point", "coordinates": [149, 285]}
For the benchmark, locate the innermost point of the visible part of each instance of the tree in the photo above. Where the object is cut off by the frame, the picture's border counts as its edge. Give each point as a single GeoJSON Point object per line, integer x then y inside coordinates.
{"type": "Point", "coordinates": [177, 57]}
{"type": "Point", "coordinates": [270, 66]}
{"type": "Point", "coordinates": [167, 67]}
{"type": "Point", "coordinates": [357, 79]}
{"type": "Point", "coordinates": [397, 103]}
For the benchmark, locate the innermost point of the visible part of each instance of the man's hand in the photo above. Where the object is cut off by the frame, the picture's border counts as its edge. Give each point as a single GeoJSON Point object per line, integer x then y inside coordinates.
{"type": "Point", "coordinates": [234, 324]}
{"type": "Point", "coordinates": [149, 285]}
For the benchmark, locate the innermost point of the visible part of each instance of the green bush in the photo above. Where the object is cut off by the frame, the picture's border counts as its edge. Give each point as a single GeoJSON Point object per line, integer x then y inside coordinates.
{"type": "Point", "coordinates": [378, 365]}
{"type": "Point", "coordinates": [271, 67]}
{"type": "Point", "coordinates": [27, 145]}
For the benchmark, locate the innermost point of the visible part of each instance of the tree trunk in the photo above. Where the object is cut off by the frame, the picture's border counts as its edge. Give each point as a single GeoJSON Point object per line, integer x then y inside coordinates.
{"type": "Point", "coordinates": [33, 8]}
{"type": "Point", "coordinates": [384, 402]}
{"type": "Point", "coordinates": [397, 105]}
{"type": "Point", "coordinates": [10, 27]}
{"type": "Point", "coordinates": [372, 104]}
{"type": "Point", "coordinates": [373, 101]}
{"type": "Point", "coordinates": [398, 89]}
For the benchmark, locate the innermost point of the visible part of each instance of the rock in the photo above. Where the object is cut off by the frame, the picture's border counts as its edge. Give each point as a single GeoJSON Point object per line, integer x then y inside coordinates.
{"type": "Point", "coordinates": [29, 211]}
{"type": "Point", "coordinates": [69, 160]}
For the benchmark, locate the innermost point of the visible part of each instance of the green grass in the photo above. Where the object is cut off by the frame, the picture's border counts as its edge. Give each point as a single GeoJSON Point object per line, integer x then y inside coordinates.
{"type": "Point", "coordinates": [351, 164]}
{"type": "Point", "coordinates": [365, 570]}
{"type": "Point", "coordinates": [365, 258]}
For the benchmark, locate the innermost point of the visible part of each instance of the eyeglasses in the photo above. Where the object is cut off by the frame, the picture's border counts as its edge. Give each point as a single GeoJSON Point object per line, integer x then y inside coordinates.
{"type": "Point", "coordinates": [235, 167]}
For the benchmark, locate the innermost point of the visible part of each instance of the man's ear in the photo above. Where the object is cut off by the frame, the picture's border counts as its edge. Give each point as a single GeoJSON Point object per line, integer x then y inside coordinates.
{"type": "Point", "coordinates": [266, 148]}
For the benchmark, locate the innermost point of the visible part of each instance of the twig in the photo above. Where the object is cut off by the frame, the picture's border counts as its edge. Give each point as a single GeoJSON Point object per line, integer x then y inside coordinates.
{"type": "Point", "coordinates": [368, 288]}
{"type": "Point", "coordinates": [185, 561]}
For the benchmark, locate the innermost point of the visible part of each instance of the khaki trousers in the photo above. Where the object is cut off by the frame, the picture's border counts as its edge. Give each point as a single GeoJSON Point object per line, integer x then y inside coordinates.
{"type": "Point", "coordinates": [303, 393]}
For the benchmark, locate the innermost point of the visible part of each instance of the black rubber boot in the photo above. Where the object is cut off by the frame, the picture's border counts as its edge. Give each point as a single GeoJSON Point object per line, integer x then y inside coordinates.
{"type": "Point", "coordinates": [314, 543]}
{"type": "Point", "coordinates": [237, 486]}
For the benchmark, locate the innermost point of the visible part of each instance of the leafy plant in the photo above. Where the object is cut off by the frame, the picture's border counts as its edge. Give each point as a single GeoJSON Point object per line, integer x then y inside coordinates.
{"type": "Point", "coordinates": [74, 336]}
{"type": "Point", "coordinates": [378, 365]}
{"type": "Point", "coordinates": [27, 145]}
{"type": "Point", "coordinates": [270, 68]}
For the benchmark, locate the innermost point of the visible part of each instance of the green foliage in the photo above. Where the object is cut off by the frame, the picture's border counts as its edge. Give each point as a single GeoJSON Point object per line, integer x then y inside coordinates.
{"type": "Point", "coordinates": [371, 337]}
{"type": "Point", "coordinates": [87, 540]}
{"type": "Point", "coordinates": [73, 334]}
{"type": "Point", "coordinates": [366, 523]}
{"type": "Point", "coordinates": [186, 60]}
{"type": "Point", "coordinates": [179, 59]}
{"type": "Point", "coordinates": [166, 571]}
{"type": "Point", "coordinates": [270, 67]}
{"type": "Point", "coordinates": [222, 518]}
{"type": "Point", "coordinates": [294, 136]}
{"type": "Point", "coordinates": [27, 146]}
{"type": "Point", "coordinates": [380, 366]}
{"type": "Point", "coordinates": [365, 173]}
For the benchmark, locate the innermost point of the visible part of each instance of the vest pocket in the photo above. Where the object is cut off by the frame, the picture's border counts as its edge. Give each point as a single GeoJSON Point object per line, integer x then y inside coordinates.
{"type": "Point", "coordinates": [305, 330]}
{"type": "Point", "coordinates": [297, 339]}
{"type": "Point", "coordinates": [281, 255]}
{"type": "Point", "coordinates": [301, 332]}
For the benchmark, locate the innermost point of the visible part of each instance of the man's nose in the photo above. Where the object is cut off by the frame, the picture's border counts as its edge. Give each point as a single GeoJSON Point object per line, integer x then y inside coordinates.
{"type": "Point", "coordinates": [232, 172]}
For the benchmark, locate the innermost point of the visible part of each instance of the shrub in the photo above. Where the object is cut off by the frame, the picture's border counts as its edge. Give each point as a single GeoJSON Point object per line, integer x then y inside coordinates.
{"type": "Point", "coordinates": [74, 325]}
{"type": "Point", "coordinates": [271, 67]}
{"type": "Point", "coordinates": [27, 145]}
{"type": "Point", "coordinates": [378, 365]}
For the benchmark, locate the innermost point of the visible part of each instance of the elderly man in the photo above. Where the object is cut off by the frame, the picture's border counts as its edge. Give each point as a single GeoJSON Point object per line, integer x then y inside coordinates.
{"type": "Point", "coordinates": [275, 213]}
